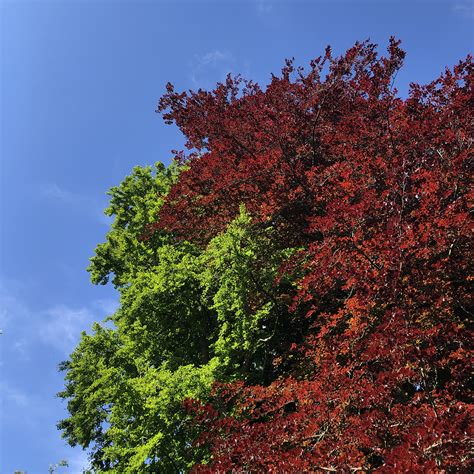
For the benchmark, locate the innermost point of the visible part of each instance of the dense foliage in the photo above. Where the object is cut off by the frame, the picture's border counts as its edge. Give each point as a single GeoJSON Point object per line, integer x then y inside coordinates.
{"type": "Point", "coordinates": [295, 290]}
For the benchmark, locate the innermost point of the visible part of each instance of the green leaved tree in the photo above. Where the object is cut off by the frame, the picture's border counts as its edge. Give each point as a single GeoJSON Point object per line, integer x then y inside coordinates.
{"type": "Point", "coordinates": [188, 316]}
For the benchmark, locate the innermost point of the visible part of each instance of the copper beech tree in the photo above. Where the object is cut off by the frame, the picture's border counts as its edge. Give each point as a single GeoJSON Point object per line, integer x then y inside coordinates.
{"type": "Point", "coordinates": [371, 193]}
{"type": "Point", "coordinates": [294, 290]}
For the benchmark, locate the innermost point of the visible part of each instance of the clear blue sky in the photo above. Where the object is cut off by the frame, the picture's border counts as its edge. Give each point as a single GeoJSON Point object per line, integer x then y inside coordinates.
{"type": "Point", "coordinates": [79, 85]}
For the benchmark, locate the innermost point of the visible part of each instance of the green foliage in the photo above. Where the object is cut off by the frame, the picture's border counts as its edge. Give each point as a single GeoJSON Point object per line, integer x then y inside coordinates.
{"type": "Point", "coordinates": [239, 271]}
{"type": "Point", "coordinates": [135, 204]}
{"type": "Point", "coordinates": [165, 302]}
{"type": "Point", "coordinates": [188, 316]}
{"type": "Point", "coordinates": [131, 411]}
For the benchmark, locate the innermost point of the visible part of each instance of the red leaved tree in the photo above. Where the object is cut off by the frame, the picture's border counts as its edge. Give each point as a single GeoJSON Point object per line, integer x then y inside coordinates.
{"type": "Point", "coordinates": [373, 190]}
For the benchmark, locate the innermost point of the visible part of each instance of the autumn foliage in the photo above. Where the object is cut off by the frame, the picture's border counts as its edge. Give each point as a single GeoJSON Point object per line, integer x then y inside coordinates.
{"type": "Point", "coordinates": [372, 193]}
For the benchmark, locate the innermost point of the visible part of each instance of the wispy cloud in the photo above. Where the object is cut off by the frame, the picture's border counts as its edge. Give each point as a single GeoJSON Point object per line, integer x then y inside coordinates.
{"type": "Point", "coordinates": [211, 67]}
{"type": "Point", "coordinates": [107, 306]}
{"type": "Point", "coordinates": [91, 205]}
{"type": "Point", "coordinates": [465, 8]}
{"type": "Point", "coordinates": [18, 403]}
{"type": "Point", "coordinates": [61, 326]}
{"type": "Point", "coordinates": [58, 327]}
{"type": "Point", "coordinates": [5, 315]}
{"type": "Point", "coordinates": [35, 339]}
{"type": "Point", "coordinates": [263, 6]}
{"type": "Point", "coordinates": [78, 461]}
{"type": "Point", "coordinates": [54, 191]}
{"type": "Point", "coordinates": [20, 347]}
{"type": "Point", "coordinates": [11, 394]}
{"type": "Point", "coordinates": [11, 308]}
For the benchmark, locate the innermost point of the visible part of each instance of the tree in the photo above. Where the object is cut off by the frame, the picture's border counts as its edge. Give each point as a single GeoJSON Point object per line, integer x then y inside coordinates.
{"type": "Point", "coordinates": [123, 385]}
{"type": "Point", "coordinates": [295, 289]}
{"type": "Point", "coordinates": [372, 190]}
{"type": "Point", "coordinates": [188, 316]}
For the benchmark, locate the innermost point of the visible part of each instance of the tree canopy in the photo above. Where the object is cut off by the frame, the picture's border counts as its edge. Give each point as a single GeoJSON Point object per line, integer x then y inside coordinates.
{"type": "Point", "coordinates": [295, 287]}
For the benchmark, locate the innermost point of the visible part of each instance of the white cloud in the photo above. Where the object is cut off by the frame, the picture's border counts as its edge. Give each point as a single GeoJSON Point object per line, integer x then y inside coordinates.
{"type": "Point", "coordinates": [18, 404]}
{"type": "Point", "coordinates": [11, 308]}
{"type": "Point", "coordinates": [34, 340]}
{"type": "Point", "coordinates": [58, 326]}
{"type": "Point", "coordinates": [107, 306]}
{"type": "Point", "coordinates": [213, 58]}
{"type": "Point", "coordinates": [5, 316]}
{"type": "Point", "coordinates": [78, 461]}
{"type": "Point", "coordinates": [90, 205]}
{"type": "Point", "coordinates": [20, 347]}
{"type": "Point", "coordinates": [263, 6]}
{"type": "Point", "coordinates": [54, 191]}
{"type": "Point", "coordinates": [211, 67]}
{"type": "Point", "coordinates": [465, 8]}
{"type": "Point", "coordinates": [13, 395]}
{"type": "Point", "coordinates": [61, 326]}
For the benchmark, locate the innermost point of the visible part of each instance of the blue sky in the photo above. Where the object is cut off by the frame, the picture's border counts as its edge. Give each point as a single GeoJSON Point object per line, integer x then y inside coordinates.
{"type": "Point", "coordinates": [79, 85]}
